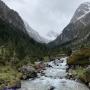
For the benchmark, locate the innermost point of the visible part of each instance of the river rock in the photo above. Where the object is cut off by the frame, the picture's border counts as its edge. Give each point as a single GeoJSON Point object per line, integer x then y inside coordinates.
{"type": "Point", "coordinates": [52, 88]}
{"type": "Point", "coordinates": [28, 72]}
{"type": "Point", "coordinates": [39, 66]}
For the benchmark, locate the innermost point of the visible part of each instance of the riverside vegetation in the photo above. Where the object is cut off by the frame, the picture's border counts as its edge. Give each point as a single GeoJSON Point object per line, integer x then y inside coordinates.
{"type": "Point", "coordinates": [12, 67]}
{"type": "Point", "coordinates": [79, 64]}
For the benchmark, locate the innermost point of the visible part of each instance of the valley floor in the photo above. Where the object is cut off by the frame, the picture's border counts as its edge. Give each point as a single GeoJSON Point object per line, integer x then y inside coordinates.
{"type": "Point", "coordinates": [72, 73]}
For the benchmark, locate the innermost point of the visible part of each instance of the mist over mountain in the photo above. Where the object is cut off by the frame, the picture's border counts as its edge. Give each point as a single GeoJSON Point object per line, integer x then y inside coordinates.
{"type": "Point", "coordinates": [71, 32]}
{"type": "Point", "coordinates": [35, 35]}
{"type": "Point", "coordinates": [44, 16]}
{"type": "Point", "coordinates": [53, 35]}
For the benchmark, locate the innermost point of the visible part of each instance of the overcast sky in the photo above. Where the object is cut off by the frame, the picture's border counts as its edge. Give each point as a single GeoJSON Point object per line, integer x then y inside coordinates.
{"type": "Point", "coordinates": [45, 15]}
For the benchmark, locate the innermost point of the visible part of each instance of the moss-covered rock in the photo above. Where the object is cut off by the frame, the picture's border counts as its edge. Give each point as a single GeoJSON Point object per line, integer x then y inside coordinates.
{"type": "Point", "coordinates": [80, 57]}
{"type": "Point", "coordinates": [28, 72]}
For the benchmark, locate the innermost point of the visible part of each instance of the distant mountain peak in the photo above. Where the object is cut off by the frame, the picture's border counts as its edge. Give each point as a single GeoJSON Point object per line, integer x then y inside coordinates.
{"type": "Point", "coordinates": [87, 3]}
{"type": "Point", "coordinates": [77, 32]}
{"type": "Point", "coordinates": [81, 11]}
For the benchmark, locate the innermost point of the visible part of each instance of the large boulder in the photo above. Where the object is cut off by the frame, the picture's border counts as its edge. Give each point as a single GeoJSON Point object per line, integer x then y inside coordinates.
{"type": "Point", "coordinates": [28, 72]}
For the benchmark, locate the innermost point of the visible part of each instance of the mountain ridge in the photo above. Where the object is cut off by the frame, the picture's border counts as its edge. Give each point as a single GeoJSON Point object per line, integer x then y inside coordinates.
{"type": "Point", "coordinates": [76, 31]}
{"type": "Point", "coordinates": [81, 11]}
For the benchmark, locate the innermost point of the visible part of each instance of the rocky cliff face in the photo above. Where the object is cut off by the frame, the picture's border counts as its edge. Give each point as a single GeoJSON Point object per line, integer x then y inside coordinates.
{"type": "Point", "coordinates": [10, 16]}
{"type": "Point", "coordinates": [78, 30]}
{"type": "Point", "coordinates": [81, 11]}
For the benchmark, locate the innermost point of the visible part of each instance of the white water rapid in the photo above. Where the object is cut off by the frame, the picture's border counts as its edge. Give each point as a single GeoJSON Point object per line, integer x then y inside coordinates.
{"type": "Point", "coordinates": [54, 79]}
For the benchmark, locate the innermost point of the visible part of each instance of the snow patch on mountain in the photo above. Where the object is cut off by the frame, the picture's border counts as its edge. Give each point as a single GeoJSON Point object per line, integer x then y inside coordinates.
{"type": "Point", "coordinates": [81, 12]}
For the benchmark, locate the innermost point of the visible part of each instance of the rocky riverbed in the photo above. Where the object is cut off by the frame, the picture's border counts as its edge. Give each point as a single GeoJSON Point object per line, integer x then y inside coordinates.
{"type": "Point", "coordinates": [53, 77]}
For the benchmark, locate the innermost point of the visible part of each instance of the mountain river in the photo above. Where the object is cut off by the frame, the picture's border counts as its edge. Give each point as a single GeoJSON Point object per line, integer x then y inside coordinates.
{"type": "Point", "coordinates": [53, 79]}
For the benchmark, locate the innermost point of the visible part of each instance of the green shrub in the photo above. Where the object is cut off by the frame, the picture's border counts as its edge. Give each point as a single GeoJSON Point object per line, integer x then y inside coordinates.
{"type": "Point", "coordinates": [9, 77]}
{"type": "Point", "coordinates": [80, 57]}
{"type": "Point", "coordinates": [82, 73]}
{"type": "Point", "coordinates": [87, 75]}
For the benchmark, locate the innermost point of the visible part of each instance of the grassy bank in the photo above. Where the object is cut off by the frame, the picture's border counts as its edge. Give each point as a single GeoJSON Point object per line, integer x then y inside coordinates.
{"type": "Point", "coordinates": [9, 77]}
{"type": "Point", "coordinates": [79, 63]}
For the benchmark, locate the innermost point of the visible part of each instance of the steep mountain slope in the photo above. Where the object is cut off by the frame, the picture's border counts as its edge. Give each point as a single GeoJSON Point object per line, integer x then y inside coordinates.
{"type": "Point", "coordinates": [10, 15]}
{"type": "Point", "coordinates": [81, 11]}
{"type": "Point", "coordinates": [35, 35]}
{"type": "Point", "coordinates": [78, 30]}
{"type": "Point", "coordinates": [13, 34]}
